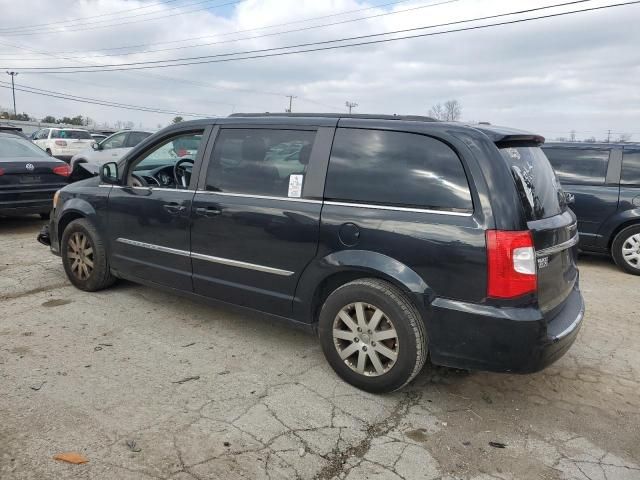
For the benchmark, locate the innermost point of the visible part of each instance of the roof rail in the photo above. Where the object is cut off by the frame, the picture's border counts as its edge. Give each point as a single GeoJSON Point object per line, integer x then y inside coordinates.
{"type": "Point", "coordinates": [413, 118]}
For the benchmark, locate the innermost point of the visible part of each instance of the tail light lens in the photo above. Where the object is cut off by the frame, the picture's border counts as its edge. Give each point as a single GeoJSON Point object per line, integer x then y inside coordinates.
{"type": "Point", "coordinates": [61, 143]}
{"type": "Point", "coordinates": [62, 170]}
{"type": "Point", "coordinates": [1, 172]}
{"type": "Point", "coordinates": [182, 152]}
{"type": "Point", "coordinates": [511, 264]}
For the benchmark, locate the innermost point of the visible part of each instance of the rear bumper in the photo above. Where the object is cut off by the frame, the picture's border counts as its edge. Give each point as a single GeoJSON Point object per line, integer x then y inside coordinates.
{"type": "Point", "coordinates": [25, 207]}
{"type": "Point", "coordinates": [518, 340]}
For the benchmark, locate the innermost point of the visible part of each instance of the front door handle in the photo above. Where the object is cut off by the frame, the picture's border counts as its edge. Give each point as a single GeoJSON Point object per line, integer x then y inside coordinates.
{"type": "Point", "coordinates": [174, 208]}
{"type": "Point", "coordinates": [208, 211]}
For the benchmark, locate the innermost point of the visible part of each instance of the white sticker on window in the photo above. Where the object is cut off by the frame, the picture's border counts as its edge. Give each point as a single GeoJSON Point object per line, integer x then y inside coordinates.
{"type": "Point", "coordinates": [295, 185]}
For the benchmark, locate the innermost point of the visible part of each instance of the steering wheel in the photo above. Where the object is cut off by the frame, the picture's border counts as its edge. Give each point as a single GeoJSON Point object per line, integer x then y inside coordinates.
{"type": "Point", "coordinates": [138, 181]}
{"type": "Point", "coordinates": [180, 172]}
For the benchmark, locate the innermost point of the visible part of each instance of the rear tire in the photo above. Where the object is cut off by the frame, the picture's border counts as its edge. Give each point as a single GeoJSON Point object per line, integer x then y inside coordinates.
{"type": "Point", "coordinates": [625, 249]}
{"type": "Point", "coordinates": [372, 335]}
{"type": "Point", "coordinates": [84, 257]}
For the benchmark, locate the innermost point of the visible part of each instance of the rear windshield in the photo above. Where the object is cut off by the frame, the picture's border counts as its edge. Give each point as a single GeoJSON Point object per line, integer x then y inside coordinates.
{"type": "Point", "coordinates": [12, 146]}
{"type": "Point", "coordinates": [73, 134]}
{"type": "Point", "coordinates": [538, 186]}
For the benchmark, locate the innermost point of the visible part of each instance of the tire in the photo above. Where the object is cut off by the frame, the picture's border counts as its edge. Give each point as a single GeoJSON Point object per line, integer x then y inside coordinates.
{"type": "Point", "coordinates": [44, 215]}
{"type": "Point", "coordinates": [629, 239]}
{"type": "Point", "coordinates": [89, 279]}
{"type": "Point", "coordinates": [396, 312]}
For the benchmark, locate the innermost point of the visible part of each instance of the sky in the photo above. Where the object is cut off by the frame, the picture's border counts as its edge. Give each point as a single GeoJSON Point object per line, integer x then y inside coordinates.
{"type": "Point", "coordinates": [552, 76]}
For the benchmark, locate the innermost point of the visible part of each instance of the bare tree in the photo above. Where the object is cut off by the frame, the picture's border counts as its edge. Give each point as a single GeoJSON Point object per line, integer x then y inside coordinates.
{"type": "Point", "coordinates": [450, 111]}
{"type": "Point", "coordinates": [624, 137]}
{"type": "Point", "coordinates": [453, 110]}
{"type": "Point", "coordinates": [437, 112]}
{"type": "Point", "coordinates": [572, 135]}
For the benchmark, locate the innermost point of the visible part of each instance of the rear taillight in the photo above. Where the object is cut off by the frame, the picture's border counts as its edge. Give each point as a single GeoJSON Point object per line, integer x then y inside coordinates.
{"type": "Point", "coordinates": [1, 172]}
{"type": "Point", "coordinates": [182, 152]}
{"type": "Point", "coordinates": [61, 143]}
{"type": "Point", "coordinates": [62, 170]}
{"type": "Point", "coordinates": [511, 264]}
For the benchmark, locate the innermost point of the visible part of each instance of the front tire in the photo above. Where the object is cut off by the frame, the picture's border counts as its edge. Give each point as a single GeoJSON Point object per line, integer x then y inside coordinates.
{"type": "Point", "coordinates": [84, 257]}
{"type": "Point", "coordinates": [625, 249]}
{"type": "Point", "coordinates": [372, 335]}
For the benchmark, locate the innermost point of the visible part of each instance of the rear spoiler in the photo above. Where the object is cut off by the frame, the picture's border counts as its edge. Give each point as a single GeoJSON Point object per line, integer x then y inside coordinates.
{"type": "Point", "coordinates": [519, 141]}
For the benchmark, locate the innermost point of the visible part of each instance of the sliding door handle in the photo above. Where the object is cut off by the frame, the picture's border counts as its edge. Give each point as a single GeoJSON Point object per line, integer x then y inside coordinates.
{"type": "Point", "coordinates": [208, 211]}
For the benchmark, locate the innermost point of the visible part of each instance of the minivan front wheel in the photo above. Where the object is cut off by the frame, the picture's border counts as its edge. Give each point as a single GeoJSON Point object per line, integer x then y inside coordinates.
{"type": "Point", "coordinates": [625, 249]}
{"type": "Point", "coordinates": [372, 335]}
{"type": "Point", "coordinates": [84, 256]}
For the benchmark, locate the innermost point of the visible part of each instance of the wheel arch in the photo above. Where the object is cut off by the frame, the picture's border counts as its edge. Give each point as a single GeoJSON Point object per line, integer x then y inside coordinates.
{"type": "Point", "coordinates": [73, 209]}
{"type": "Point", "coordinates": [339, 268]}
{"type": "Point", "coordinates": [627, 221]}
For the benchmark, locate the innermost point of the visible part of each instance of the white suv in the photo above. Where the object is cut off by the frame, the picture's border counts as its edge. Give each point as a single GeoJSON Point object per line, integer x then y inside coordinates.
{"type": "Point", "coordinates": [111, 149]}
{"type": "Point", "coordinates": [63, 143]}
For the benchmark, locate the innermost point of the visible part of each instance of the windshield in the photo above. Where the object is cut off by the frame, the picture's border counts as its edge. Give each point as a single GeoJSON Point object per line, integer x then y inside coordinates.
{"type": "Point", "coordinates": [538, 186]}
{"type": "Point", "coordinates": [12, 146]}
{"type": "Point", "coordinates": [72, 134]}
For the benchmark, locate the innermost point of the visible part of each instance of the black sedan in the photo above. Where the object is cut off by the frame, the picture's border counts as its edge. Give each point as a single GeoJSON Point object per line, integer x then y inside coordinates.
{"type": "Point", "coordinates": [28, 177]}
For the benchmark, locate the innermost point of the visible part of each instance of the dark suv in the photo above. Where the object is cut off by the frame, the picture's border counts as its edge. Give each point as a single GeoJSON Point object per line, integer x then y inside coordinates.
{"type": "Point", "coordinates": [393, 238]}
{"type": "Point", "coordinates": [605, 181]}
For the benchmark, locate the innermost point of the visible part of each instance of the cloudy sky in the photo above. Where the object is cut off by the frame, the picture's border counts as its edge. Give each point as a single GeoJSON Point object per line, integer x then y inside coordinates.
{"type": "Point", "coordinates": [576, 72]}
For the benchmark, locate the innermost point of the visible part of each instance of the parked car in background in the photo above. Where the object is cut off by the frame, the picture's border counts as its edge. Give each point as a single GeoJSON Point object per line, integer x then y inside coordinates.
{"type": "Point", "coordinates": [63, 143]}
{"type": "Point", "coordinates": [604, 178]}
{"type": "Point", "coordinates": [29, 177]}
{"type": "Point", "coordinates": [98, 137]}
{"type": "Point", "coordinates": [393, 238]}
{"type": "Point", "coordinates": [111, 149]}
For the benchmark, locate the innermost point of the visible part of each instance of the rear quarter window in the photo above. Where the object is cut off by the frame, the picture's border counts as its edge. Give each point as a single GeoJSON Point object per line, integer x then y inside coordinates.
{"type": "Point", "coordinates": [397, 169]}
{"type": "Point", "coordinates": [579, 166]}
{"type": "Point", "coordinates": [630, 169]}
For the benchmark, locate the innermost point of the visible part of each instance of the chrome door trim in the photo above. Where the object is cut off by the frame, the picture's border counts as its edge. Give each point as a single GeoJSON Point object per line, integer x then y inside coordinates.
{"type": "Point", "coordinates": [399, 209]}
{"type": "Point", "coordinates": [209, 258]}
{"type": "Point", "coordinates": [260, 197]}
{"type": "Point", "coordinates": [558, 248]}
{"type": "Point", "coordinates": [151, 246]}
{"type": "Point", "coordinates": [239, 264]}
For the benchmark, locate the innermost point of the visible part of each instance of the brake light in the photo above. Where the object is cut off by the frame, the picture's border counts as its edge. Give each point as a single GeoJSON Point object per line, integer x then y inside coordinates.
{"type": "Point", "coordinates": [511, 264]}
{"type": "Point", "coordinates": [182, 152]}
{"type": "Point", "coordinates": [1, 172]}
{"type": "Point", "coordinates": [62, 170]}
{"type": "Point", "coordinates": [61, 143]}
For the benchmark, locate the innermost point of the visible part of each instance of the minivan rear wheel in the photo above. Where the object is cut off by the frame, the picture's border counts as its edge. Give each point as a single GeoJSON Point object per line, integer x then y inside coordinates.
{"type": "Point", "coordinates": [84, 257]}
{"type": "Point", "coordinates": [372, 335]}
{"type": "Point", "coordinates": [625, 249]}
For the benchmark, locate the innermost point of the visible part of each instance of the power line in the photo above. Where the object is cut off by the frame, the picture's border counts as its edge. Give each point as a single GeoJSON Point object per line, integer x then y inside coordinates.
{"type": "Point", "coordinates": [246, 30]}
{"type": "Point", "coordinates": [312, 27]}
{"type": "Point", "coordinates": [91, 26]}
{"type": "Point", "coordinates": [94, 101]}
{"type": "Point", "coordinates": [90, 17]}
{"type": "Point", "coordinates": [216, 58]}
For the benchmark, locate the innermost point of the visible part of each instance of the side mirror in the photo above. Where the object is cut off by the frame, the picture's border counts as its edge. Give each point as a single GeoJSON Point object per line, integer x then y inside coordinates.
{"type": "Point", "coordinates": [95, 146]}
{"type": "Point", "coordinates": [109, 173]}
{"type": "Point", "coordinates": [570, 198]}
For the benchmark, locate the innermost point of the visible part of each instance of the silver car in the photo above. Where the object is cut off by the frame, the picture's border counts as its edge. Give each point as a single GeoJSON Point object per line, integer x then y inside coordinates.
{"type": "Point", "coordinates": [111, 149]}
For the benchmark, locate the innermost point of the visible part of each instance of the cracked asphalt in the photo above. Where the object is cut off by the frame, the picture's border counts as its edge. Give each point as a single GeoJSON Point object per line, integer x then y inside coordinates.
{"type": "Point", "coordinates": [148, 385]}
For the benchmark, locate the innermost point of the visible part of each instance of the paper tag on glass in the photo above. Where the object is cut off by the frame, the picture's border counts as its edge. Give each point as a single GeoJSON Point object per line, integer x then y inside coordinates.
{"type": "Point", "coordinates": [295, 185]}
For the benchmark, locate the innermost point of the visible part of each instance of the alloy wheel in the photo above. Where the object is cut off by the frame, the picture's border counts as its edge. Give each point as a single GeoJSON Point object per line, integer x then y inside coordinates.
{"type": "Point", "coordinates": [80, 253]}
{"type": "Point", "coordinates": [631, 250]}
{"type": "Point", "coordinates": [365, 339]}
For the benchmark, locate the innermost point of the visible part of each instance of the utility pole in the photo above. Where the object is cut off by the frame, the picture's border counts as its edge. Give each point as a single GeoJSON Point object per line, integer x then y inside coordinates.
{"type": "Point", "coordinates": [608, 135]}
{"type": "Point", "coordinates": [13, 90]}
{"type": "Point", "coordinates": [290, 97]}
{"type": "Point", "coordinates": [350, 105]}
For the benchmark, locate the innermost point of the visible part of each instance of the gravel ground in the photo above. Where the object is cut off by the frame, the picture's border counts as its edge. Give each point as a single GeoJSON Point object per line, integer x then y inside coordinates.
{"type": "Point", "coordinates": [149, 385]}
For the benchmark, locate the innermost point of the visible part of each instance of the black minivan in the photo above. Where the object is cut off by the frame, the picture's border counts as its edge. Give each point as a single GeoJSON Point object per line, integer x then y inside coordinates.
{"type": "Point", "coordinates": [604, 178]}
{"type": "Point", "coordinates": [393, 238]}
